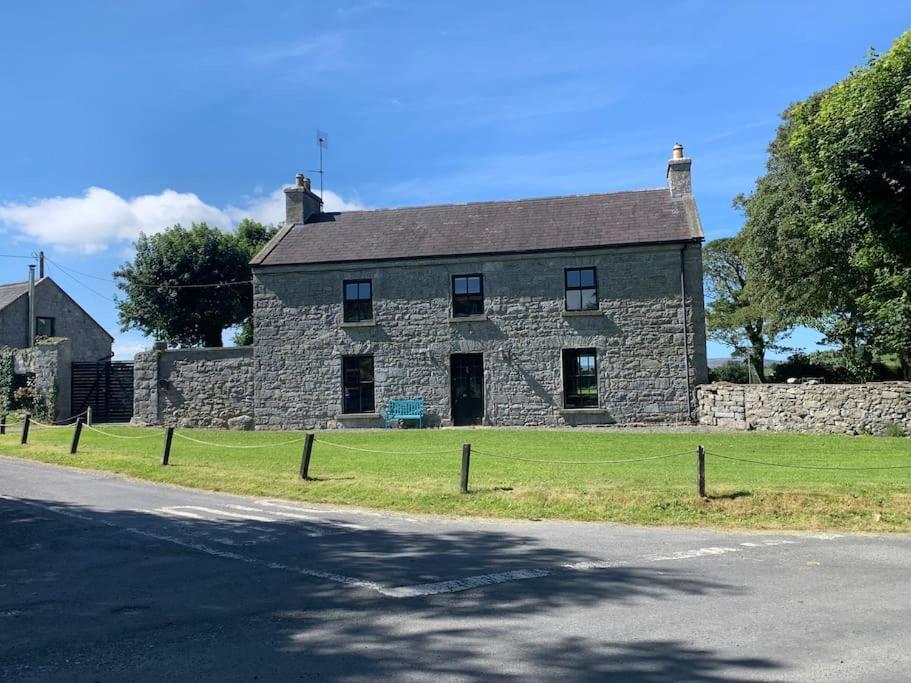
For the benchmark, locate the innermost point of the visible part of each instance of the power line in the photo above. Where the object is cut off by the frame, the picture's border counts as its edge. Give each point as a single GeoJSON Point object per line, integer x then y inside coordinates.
{"type": "Point", "coordinates": [31, 258]}
{"type": "Point", "coordinates": [150, 285]}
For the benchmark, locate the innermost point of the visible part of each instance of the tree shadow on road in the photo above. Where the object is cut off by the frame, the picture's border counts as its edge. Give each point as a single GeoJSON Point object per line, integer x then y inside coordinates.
{"type": "Point", "coordinates": [126, 592]}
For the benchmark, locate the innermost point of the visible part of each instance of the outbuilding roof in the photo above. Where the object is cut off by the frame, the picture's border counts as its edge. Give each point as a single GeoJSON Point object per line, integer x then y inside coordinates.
{"type": "Point", "coordinates": [9, 293]}
{"type": "Point", "coordinates": [527, 225]}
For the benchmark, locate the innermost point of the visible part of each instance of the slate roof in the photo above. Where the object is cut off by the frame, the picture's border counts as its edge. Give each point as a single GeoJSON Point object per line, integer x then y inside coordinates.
{"type": "Point", "coordinates": [9, 293]}
{"type": "Point", "coordinates": [554, 223]}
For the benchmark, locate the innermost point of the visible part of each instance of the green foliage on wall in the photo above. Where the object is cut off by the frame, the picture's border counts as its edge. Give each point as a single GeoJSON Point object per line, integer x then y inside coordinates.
{"type": "Point", "coordinates": [6, 380]}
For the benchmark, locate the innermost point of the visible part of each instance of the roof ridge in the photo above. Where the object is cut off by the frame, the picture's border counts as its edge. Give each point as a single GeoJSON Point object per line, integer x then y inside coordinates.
{"type": "Point", "coordinates": [548, 198]}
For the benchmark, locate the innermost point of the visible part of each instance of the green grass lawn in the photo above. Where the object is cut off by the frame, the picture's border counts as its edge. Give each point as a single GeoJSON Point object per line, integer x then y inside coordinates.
{"type": "Point", "coordinates": [423, 473]}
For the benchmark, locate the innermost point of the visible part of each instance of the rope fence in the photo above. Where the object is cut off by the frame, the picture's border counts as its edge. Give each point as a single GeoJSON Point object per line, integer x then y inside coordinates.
{"type": "Point", "coordinates": [309, 439]}
{"type": "Point", "coordinates": [581, 462]}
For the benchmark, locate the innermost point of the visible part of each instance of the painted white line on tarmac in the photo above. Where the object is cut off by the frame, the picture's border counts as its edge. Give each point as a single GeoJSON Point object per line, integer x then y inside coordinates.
{"type": "Point", "coordinates": [222, 513]}
{"type": "Point", "coordinates": [464, 584]}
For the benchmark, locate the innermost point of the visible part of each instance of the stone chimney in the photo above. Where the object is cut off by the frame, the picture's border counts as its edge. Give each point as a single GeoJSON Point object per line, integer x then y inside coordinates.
{"type": "Point", "coordinates": [679, 179]}
{"type": "Point", "coordinates": [300, 202]}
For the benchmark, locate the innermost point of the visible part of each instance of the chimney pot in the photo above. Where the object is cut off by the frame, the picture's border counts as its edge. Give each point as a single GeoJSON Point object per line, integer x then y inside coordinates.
{"type": "Point", "coordinates": [678, 151]}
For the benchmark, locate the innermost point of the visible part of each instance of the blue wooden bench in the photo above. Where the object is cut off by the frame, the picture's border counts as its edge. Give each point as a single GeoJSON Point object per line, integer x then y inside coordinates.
{"type": "Point", "coordinates": [410, 409]}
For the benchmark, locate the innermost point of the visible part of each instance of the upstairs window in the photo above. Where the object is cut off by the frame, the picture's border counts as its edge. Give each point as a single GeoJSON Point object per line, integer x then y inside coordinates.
{"type": "Point", "coordinates": [581, 289]}
{"type": "Point", "coordinates": [358, 301]}
{"type": "Point", "coordinates": [357, 381]}
{"type": "Point", "coordinates": [44, 327]}
{"type": "Point", "coordinates": [467, 295]}
{"type": "Point", "coordinates": [580, 378]}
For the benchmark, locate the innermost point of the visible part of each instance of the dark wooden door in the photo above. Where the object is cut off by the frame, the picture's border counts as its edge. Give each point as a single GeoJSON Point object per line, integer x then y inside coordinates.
{"type": "Point", "coordinates": [467, 377]}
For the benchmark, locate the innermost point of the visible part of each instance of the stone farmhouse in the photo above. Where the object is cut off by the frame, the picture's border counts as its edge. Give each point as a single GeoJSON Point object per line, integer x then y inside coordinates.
{"type": "Point", "coordinates": [540, 312]}
{"type": "Point", "coordinates": [56, 314]}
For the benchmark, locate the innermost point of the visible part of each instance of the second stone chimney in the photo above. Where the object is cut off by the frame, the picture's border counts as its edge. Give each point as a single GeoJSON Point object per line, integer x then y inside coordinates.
{"type": "Point", "coordinates": [679, 179]}
{"type": "Point", "coordinates": [300, 202]}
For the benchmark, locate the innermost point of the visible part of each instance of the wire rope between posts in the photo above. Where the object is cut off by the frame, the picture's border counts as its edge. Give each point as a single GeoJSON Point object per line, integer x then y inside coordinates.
{"type": "Point", "coordinates": [370, 450]}
{"type": "Point", "coordinates": [808, 467]}
{"type": "Point", "coordinates": [33, 422]}
{"type": "Point", "coordinates": [581, 462]}
{"type": "Point", "coordinates": [119, 436]}
{"type": "Point", "coordinates": [224, 445]}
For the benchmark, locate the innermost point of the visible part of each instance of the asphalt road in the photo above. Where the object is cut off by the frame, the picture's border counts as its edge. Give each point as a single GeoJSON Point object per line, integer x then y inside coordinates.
{"type": "Point", "coordinates": [105, 578]}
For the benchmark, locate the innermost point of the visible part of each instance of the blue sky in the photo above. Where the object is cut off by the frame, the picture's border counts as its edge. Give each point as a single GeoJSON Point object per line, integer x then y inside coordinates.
{"type": "Point", "coordinates": [119, 117]}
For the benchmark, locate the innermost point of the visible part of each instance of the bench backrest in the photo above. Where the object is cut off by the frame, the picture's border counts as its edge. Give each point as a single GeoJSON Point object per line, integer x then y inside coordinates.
{"type": "Point", "coordinates": [412, 406]}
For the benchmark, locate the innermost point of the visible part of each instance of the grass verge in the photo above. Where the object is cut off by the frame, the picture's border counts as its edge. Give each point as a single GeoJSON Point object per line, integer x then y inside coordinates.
{"type": "Point", "coordinates": [421, 473]}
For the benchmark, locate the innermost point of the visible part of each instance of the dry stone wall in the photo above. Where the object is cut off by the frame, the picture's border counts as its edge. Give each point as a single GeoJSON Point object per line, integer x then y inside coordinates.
{"type": "Point", "coordinates": [820, 408]}
{"type": "Point", "coordinates": [194, 388]}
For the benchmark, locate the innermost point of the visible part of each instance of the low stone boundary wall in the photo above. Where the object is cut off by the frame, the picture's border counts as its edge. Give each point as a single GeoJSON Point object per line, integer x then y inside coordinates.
{"type": "Point", "coordinates": [194, 388]}
{"type": "Point", "coordinates": [820, 408]}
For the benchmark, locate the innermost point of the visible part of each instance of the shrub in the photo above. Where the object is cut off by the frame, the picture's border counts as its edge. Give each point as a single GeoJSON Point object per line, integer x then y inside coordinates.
{"type": "Point", "coordinates": [893, 429]}
{"type": "Point", "coordinates": [732, 371]}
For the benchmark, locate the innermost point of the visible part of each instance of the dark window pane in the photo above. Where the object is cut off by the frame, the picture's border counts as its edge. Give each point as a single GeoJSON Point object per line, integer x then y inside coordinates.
{"type": "Point", "coordinates": [587, 277]}
{"type": "Point", "coordinates": [358, 304]}
{"type": "Point", "coordinates": [572, 278]}
{"type": "Point", "coordinates": [589, 299]}
{"type": "Point", "coordinates": [467, 295]}
{"type": "Point", "coordinates": [573, 300]}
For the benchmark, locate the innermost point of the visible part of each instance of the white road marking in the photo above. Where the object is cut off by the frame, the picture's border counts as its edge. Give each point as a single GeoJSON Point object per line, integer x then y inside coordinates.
{"type": "Point", "coordinates": [465, 584]}
{"type": "Point", "coordinates": [222, 513]}
{"type": "Point", "coordinates": [698, 552]}
{"type": "Point", "coordinates": [179, 513]}
{"type": "Point", "coordinates": [366, 513]}
{"type": "Point", "coordinates": [278, 513]}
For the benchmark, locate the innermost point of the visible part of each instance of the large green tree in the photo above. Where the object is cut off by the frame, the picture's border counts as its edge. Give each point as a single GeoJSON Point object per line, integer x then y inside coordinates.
{"type": "Point", "coordinates": [827, 230]}
{"type": "Point", "coordinates": [735, 315]}
{"type": "Point", "coordinates": [185, 286]}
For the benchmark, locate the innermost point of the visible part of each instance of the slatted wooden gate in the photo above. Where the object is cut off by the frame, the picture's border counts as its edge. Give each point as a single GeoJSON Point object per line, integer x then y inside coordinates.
{"type": "Point", "coordinates": [106, 387]}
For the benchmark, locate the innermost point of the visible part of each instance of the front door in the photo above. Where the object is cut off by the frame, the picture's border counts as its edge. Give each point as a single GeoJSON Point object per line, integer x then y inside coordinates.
{"type": "Point", "coordinates": [467, 373]}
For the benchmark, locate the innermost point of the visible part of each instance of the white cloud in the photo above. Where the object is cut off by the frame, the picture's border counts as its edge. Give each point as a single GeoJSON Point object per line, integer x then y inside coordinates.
{"type": "Point", "coordinates": [126, 347]}
{"type": "Point", "coordinates": [100, 219]}
{"type": "Point", "coordinates": [270, 208]}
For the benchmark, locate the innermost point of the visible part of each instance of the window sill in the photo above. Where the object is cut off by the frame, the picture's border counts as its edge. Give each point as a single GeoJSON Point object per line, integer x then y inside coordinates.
{"type": "Point", "coordinates": [358, 416]}
{"type": "Point", "coordinates": [362, 323]}
{"type": "Point", "coordinates": [581, 314]}
{"type": "Point", "coordinates": [468, 318]}
{"type": "Point", "coordinates": [582, 411]}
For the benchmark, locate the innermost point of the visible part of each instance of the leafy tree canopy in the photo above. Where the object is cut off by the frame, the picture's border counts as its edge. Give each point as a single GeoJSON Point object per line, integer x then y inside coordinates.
{"type": "Point", "coordinates": [178, 286]}
{"type": "Point", "coordinates": [827, 232]}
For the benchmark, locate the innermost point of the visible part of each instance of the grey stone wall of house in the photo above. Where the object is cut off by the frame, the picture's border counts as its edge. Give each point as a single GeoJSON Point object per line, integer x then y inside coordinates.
{"type": "Point", "coordinates": [50, 361]}
{"type": "Point", "coordinates": [642, 350]}
{"type": "Point", "coordinates": [194, 388]}
{"type": "Point", "coordinates": [90, 341]}
{"type": "Point", "coordinates": [820, 408]}
{"type": "Point", "coordinates": [14, 324]}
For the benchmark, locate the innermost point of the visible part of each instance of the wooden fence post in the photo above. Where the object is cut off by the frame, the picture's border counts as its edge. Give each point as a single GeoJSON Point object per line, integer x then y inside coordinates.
{"type": "Point", "coordinates": [305, 456]}
{"type": "Point", "coordinates": [166, 452]}
{"type": "Point", "coordinates": [25, 425]}
{"type": "Point", "coordinates": [700, 471]}
{"type": "Point", "coordinates": [77, 432]}
{"type": "Point", "coordinates": [88, 416]}
{"type": "Point", "coordinates": [466, 462]}
{"type": "Point", "coordinates": [2, 424]}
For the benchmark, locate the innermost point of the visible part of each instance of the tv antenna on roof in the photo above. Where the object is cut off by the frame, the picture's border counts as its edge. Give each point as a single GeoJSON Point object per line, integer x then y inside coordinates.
{"type": "Point", "coordinates": [322, 141]}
